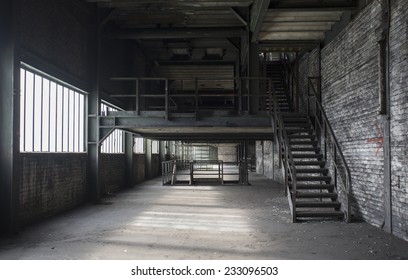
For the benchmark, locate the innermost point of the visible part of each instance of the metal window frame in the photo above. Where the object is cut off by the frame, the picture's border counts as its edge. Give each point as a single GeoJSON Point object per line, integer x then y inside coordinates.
{"type": "Point", "coordinates": [64, 87]}
{"type": "Point", "coordinates": [114, 144]}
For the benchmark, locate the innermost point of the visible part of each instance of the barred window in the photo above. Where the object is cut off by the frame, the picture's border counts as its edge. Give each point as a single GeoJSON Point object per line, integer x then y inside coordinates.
{"type": "Point", "coordinates": [52, 114]}
{"type": "Point", "coordinates": [138, 145]}
{"type": "Point", "coordinates": [114, 143]}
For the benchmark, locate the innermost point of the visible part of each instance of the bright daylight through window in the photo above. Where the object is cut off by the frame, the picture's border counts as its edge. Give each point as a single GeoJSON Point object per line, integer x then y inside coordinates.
{"type": "Point", "coordinates": [52, 115]}
{"type": "Point", "coordinates": [114, 143]}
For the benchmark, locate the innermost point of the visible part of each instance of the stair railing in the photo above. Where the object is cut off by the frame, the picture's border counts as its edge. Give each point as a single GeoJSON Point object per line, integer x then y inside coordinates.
{"type": "Point", "coordinates": [330, 144]}
{"type": "Point", "coordinates": [287, 75]}
{"type": "Point", "coordinates": [285, 159]}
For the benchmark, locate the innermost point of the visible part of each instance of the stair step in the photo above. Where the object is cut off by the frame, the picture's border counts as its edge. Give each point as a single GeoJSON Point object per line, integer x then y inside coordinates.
{"type": "Point", "coordinates": [293, 124]}
{"type": "Point", "coordinates": [318, 204]}
{"type": "Point", "coordinates": [313, 178]}
{"type": "Point", "coordinates": [296, 120]}
{"type": "Point", "coordinates": [304, 130]}
{"type": "Point", "coordinates": [319, 156]}
{"type": "Point", "coordinates": [316, 195]}
{"type": "Point", "coordinates": [309, 136]}
{"type": "Point", "coordinates": [314, 186]}
{"type": "Point", "coordinates": [308, 142]}
{"type": "Point", "coordinates": [319, 214]}
{"type": "Point", "coordinates": [313, 170]}
{"type": "Point", "coordinates": [295, 115]}
{"type": "Point", "coordinates": [305, 149]}
{"type": "Point", "coordinates": [309, 163]}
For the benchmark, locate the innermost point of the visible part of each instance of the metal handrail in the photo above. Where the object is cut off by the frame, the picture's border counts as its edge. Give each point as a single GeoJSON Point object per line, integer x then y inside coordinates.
{"type": "Point", "coordinates": [167, 95]}
{"type": "Point", "coordinates": [325, 126]}
{"type": "Point", "coordinates": [282, 139]}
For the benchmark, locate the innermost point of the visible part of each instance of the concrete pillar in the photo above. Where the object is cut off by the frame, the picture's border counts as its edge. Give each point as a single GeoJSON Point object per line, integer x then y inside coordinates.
{"type": "Point", "coordinates": [9, 115]}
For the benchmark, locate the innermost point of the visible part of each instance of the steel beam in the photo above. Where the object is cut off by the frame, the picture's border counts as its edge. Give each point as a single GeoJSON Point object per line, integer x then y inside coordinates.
{"type": "Point", "coordinates": [258, 12]}
{"type": "Point", "coordinates": [296, 45]}
{"type": "Point", "coordinates": [141, 122]}
{"type": "Point", "coordinates": [9, 116]}
{"type": "Point", "coordinates": [177, 33]}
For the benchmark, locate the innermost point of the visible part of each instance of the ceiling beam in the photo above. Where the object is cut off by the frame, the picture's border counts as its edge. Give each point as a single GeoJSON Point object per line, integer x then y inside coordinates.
{"type": "Point", "coordinates": [178, 33]}
{"type": "Point", "coordinates": [258, 12]}
{"type": "Point", "coordinates": [296, 45]}
{"type": "Point", "coordinates": [291, 35]}
{"type": "Point", "coordinates": [241, 19]}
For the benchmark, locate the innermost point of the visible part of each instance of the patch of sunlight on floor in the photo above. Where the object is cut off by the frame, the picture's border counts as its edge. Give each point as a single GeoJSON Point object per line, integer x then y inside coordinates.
{"type": "Point", "coordinates": [172, 216]}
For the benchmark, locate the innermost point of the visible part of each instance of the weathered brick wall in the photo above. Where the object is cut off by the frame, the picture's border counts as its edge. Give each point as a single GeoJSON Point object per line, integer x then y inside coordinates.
{"type": "Point", "coordinates": [155, 170]}
{"type": "Point", "coordinates": [112, 172]}
{"type": "Point", "coordinates": [399, 116]}
{"type": "Point", "coordinates": [138, 168]}
{"type": "Point", "coordinates": [350, 86]}
{"type": "Point", "coordinates": [227, 153]}
{"type": "Point", "coordinates": [308, 67]}
{"type": "Point", "coordinates": [51, 183]}
{"type": "Point", "coordinates": [350, 98]}
{"type": "Point", "coordinates": [58, 32]}
{"type": "Point", "coordinates": [267, 162]}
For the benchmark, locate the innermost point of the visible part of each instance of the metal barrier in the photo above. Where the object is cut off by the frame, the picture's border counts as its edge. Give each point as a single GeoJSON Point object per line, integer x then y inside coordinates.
{"type": "Point", "coordinates": [176, 171]}
{"type": "Point", "coordinates": [171, 93]}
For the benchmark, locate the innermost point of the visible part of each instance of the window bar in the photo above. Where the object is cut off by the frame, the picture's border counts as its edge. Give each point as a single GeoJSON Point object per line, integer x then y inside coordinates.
{"type": "Point", "coordinates": [25, 110]}
{"type": "Point", "coordinates": [56, 118]}
{"type": "Point", "coordinates": [73, 123]}
{"type": "Point", "coordinates": [41, 113]}
{"type": "Point", "coordinates": [49, 115]}
{"type": "Point", "coordinates": [68, 124]}
{"type": "Point", "coordinates": [78, 123]}
{"type": "Point", "coordinates": [33, 116]}
{"type": "Point", "coordinates": [62, 119]}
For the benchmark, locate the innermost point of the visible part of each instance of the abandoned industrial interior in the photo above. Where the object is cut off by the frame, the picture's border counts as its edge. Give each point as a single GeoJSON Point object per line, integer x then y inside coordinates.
{"type": "Point", "coordinates": [178, 129]}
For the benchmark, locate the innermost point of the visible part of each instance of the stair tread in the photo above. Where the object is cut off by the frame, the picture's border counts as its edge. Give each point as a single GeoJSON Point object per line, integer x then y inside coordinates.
{"type": "Point", "coordinates": [305, 163]}
{"type": "Point", "coordinates": [312, 170]}
{"type": "Point", "coordinates": [319, 214]}
{"type": "Point", "coordinates": [308, 136]}
{"type": "Point", "coordinates": [308, 149]}
{"type": "Point", "coordinates": [313, 178]}
{"type": "Point", "coordinates": [314, 186]}
{"type": "Point", "coordinates": [307, 155]}
{"type": "Point", "coordinates": [310, 142]}
{"type": "Point", "coordinates": [318, 204]}
{"type": "Point", "coordinates": [316, 195]}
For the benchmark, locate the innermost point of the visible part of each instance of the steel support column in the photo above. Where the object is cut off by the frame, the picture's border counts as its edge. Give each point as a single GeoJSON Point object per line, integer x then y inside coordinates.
{"type": "Point", "coordinates": [9, 116]}
{"type": "Point", "coordinates": [94, 111]}
{"type": "Point", "coordinates": [129, 159]}
{"type": "Point", "coordinates": [253, 84]}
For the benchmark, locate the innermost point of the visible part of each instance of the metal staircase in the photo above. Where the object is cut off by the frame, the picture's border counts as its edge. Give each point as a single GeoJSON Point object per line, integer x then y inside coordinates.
{"type": "Point", "coordinates": [312, 188]}
{"type": "Point", "coordinates": [317, 178]}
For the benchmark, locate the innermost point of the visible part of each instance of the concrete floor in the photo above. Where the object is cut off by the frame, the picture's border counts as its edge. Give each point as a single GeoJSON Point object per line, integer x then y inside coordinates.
{"type": "Point", "coordinates": [198, 222]}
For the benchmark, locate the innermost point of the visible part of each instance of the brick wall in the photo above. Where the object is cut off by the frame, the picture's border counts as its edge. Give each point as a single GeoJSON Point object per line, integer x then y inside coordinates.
{"type": "Point", "coordinates": [112, 172]}
{"type": "Point", "coordinates": [267, 162]}
{"type": "Point", "coordinates": [227, 153]}
{"type": "Point", "coordinates": [350, 97]}
{"type": "Point", "coordinates": [138, 168]}
{"type": "Point", "coordinates": [399, 116]}
{"type": "Point", "coordinates": [349, 69]}
{"type": "Point", "coordinates": [51, 183]}
{"type": "Point", "coordinates": [308, 67]}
